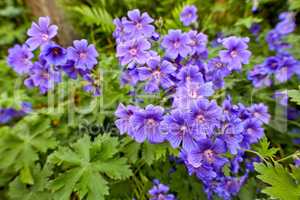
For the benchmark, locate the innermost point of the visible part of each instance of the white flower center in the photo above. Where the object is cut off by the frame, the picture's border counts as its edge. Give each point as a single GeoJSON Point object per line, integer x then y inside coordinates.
{"type": "Point", "coordinates": [45, 37]}
{"type": "Point", "coordinates": [133, 51]}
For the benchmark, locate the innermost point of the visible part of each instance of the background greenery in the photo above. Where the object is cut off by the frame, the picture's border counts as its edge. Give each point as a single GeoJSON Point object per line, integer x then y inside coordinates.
{"type": "Point", "coordinates": [46, 155]}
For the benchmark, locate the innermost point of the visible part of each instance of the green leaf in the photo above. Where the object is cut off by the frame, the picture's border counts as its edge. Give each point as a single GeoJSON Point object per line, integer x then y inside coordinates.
{"type": "Point", "coordinates": [19, 190]}
{"type": "Point", "coordinates": [281, 183]}
{"type": "Point", "coordinates": [294, 95]}
{"type": "Point", "coordinates": [20, 145]}
{"type": "Point", "coordinates": [84, 165]}
{"type": "Point", "coordinates": [248, 21]}
{"type": "Point", "coordinates": [264, 148]}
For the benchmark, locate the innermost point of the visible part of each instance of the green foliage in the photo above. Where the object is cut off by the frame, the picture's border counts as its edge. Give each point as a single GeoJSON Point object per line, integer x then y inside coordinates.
{"type": "Point", "coordinates": [281, 183]}
{"type": "Point", "coordinates": [294, 95]}
{"type": "Point", "coordinates": [95, 16]}
{"type": "Point", "coordinates": [264, 148]}
{"type": "Point", "coordinates": [85, 165]}
{"type": "Point", "coordinates": [21, 145]}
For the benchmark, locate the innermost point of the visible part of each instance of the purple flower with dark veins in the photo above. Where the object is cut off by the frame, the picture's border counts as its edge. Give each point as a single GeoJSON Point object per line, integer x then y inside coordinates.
{"type": "Point", "coordinates": [41, 33]}
{"type": "Point", "coordinates": [188, 74]}
{"type": "Point", "coordinates": [231, 134]}
{"type": "Point", "coordinates": [135, 50]}
{"type": "Point", "coordinates": [42, 76]}
{"type": "Point", "coordinates": [124, 115]}
{"type": "Point", "coordinates": [188, 95]}
{"type": "Point", "coordinates": [260, 76]}
{"type": "Point", "coordinates": [205, 117]}
{"type": "Point", "coordinates": [236, 53]}
{"type": "Point", "coordinates": [198, 42]}
{"type": "Point", "coordinates": [260, 112]}
{"type": "Point", "coordinates": [208, 154]}
{"type": "Point", "coordinates": [160, 191]}
{"type": "Point", "coordinates": [54, 54]}
{"type": "Point", "coordinates": [272, 63]}
{"type": "Point", "coordinates": [130, 76]}
{"type": "Point", "coordinates": [157, 74]}
{"type": "Point", "coordinates": [288, 68]}
{"type": "Point", "coordinates": [188, 15]}
{"type": "Point", "coordinates": [252, 132]}
{"type": "Point", "coordinates": [119, 34]}
{"type": "Point", "coordinates": [176, 44]}
{"type": "Point", "coordinates": [84, 55]}
{"type": "Point", "coordinates": [146, 124]}
{"type": "Point", "coordinates": [139, 24]}
{"type": "Point", "coordinates": [19, 58]}
{"type": "Point", "coordinates": [178, 127]}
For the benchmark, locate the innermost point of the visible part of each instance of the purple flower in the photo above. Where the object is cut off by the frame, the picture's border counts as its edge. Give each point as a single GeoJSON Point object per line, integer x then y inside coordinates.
{"type": "Point", "coordinates": [19, 58]}
{"type": "Point", "coordinates": [157, 74]}
{"type": "Point", "coordinates": [228, 187]}
{"type": "Point", "coordinates": [288, 68]}
{"type": "Point", "coordinates": [54, 54]}
{"type": "Point", "coordinates": [272, 63]}
{"type": "Point", "coordinates": [160, 192]}
{"type": "Point", "coordinates": [130, 76]}
{"type": "Point", "coordinates": [188, 15]}
{"type": "Point", "coordinates": [135, 50]}
{"type": "Point", "coordinates": [231, 134]}
{"type": "Point", "coordinates": [205, 116]}
{"type": "Point", "coordinates": [190, 74]}
{"type": "Point", "coordinates": [124, 115]}
{"type": "Point", "coordinates": [202, 172]}
{"type": "Point", "coordinates": [198, 42]}
{"type": "Point", "coordinates": [260, 112]}
{"type": "Point", "coordinates": [187, 95]}
{"type": "Point", "coordinates": [70, 69]}
{"type": "Point", "coordinates": [119, 33]}
{"type": "Point", "coordinates": [255, 29]}
{"type": "Point", "coordinates": [260, 76]}
{"type": "Point", "coordinates": [41, 75]}
{"type": "Point", "coordinates": [139, 25]}
{"type": "Point", "coordinates": [178, 127]}
{"type": "Point", "coordinates": [215, 65]}
{"type": "Point", "coordinates": [236, 53]}
{"type": "Point", "coordinates": [252, 132]}
{"type": "Point", "coordinates": [83, 54]}
{"type": "Point", "coordinates": [41, 33]}
{"type": "Point", "coordinates": [274, 40]}
{"type": "Point", "coordinates": [287, 24]}
{"type": "Point", "coordinates": [208, 153]}
{"type": "Point", "coordinates": [176, 43]}
{"type": "Point", "coordinates": [146, 124]}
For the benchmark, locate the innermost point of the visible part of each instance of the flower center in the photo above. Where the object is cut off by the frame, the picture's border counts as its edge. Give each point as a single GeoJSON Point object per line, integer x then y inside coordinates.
{"type": "Point", "coordinates": [56, 51]}
{"type": "Point", "coordinates": [183, 129]}
{"type": "Point", "coordinates": [194, 94]}
{"type": "Point", "coordinates": [200, 118]}
{"type": "Point", "coordinates": [139, 26]}
{"type": "Point", "coordinates": [45, 75]}
{"type": "Point", "coordinates": [209, 155]}
{"type": "Point", "coordinates": [133, 51]}
{"type": "Point", "coordinates": [233, 53]}
{"type": "Point", "coordinates": [249, 130]}
{"type": "Point", "coordinates": [151, 122]}
{"type": "Point", "coordinates": [193, 42]}
{"type": "Point", "coordinates": [45, 37]}
{"type": "Point", "coordinates": [176, 44]}
{"type": "Point", "coordinates": [219, 65]}
{"type": "Point", "coordinates": [161, 197]}
{"type": "Point", "coordinates": [156, 74]}
{"type": "Point", "coordinates": [83, 55]}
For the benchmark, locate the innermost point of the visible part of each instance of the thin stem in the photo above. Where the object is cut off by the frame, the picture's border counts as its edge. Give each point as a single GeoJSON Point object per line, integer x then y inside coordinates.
{"type": "Point", "coordinates": [297, 153]}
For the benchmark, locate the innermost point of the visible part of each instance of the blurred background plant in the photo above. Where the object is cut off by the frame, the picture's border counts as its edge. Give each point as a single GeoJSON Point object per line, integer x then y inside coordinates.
{"type": "Point", "coordinates": [45, 154]}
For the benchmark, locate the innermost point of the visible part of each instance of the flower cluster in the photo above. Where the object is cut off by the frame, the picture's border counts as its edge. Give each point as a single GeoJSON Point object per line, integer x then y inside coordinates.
{"type": "Point", "coordinates": [209, 136]}
{"type": "Point", "coordinates": [283, 65]}
{"type": "Point", "coordinates": [9, 114]}
{"type": "Point", "coordinates": [160, 191]}
{"type": "Point", "coordinates": [52, 59]}
{"type": "Point", "coordinates": [185, 56]}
